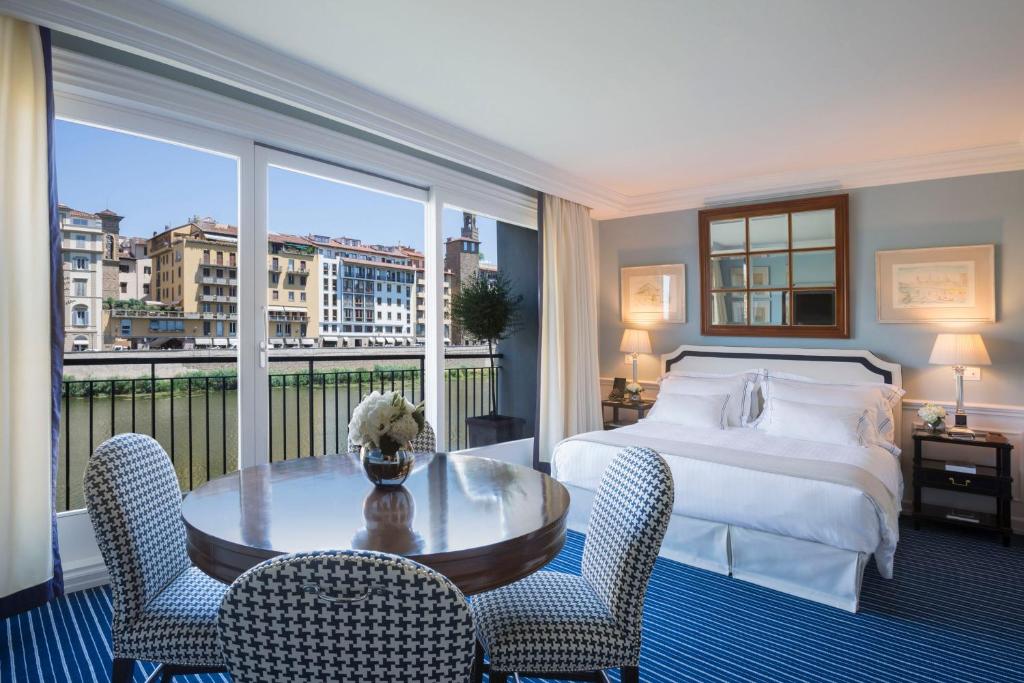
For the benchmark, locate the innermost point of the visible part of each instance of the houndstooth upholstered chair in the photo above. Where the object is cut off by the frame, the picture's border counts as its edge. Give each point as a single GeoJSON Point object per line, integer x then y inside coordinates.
{"type": "Point", "coordinates": [425, 441]}
{"type": "Point", "coordinates": [165, 609]}
{"type": "Point", "coordinates": [345, 615]}
{"type": "Point", "coordinates": [556, 625]}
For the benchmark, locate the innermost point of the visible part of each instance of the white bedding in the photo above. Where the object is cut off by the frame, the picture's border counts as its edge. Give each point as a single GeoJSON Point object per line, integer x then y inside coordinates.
{"type": "Point", "coordinates": [805, 508]}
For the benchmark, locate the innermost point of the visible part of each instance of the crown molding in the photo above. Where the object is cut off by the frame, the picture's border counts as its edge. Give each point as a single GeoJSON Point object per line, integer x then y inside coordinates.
{"type": "Point", "coordinates": [963, 162]}
{"type": "Point", "coordinates": [159, 32]}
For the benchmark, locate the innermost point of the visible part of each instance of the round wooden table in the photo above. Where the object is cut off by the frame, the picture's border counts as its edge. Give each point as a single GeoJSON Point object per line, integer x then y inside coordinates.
{"type": "Point", "coordinates": [480, 522]}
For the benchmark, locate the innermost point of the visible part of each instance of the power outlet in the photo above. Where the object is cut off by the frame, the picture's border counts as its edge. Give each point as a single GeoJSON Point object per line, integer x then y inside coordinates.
{"type": "Point", "coordinates": [972, 374]}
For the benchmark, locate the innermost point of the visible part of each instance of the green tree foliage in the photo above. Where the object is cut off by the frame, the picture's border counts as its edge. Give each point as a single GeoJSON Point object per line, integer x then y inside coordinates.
{"type": "Point", "coordinates": [487, 309]}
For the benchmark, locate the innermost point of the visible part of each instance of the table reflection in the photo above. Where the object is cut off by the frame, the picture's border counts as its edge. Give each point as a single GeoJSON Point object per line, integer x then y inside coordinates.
{"type": "Point", "coordinates": [388, 514]}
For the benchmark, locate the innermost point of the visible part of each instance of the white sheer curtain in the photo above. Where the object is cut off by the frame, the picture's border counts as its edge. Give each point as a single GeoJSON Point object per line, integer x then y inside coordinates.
{"type": "Point", "coordinates": [570, 390]}
{"type": "Point", "coordinates": [26, 533]}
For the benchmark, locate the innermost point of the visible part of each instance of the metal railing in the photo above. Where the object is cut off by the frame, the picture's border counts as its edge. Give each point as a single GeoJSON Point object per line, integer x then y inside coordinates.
{"type": "Point", "coordinates": [194, 413]}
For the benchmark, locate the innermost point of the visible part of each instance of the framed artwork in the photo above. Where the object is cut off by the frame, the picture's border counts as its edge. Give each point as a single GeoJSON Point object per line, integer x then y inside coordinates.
{"type": "Point", "coordinates": [653, 294]}
{"type": "Point", "coordinates": [760, 310]}
{"type": "Point", "coordinates": [939, 284]}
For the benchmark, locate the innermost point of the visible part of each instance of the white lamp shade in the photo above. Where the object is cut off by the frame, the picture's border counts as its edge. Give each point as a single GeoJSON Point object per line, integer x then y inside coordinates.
{"type": "Point", "coordinates": [635, 341]}
{"type": "Point", "coordinates": [959, 349]}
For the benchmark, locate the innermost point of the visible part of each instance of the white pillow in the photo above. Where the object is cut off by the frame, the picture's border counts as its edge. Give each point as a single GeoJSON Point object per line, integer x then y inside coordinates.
{"type": "Point", "coordinates": [878, 399]}
{"type": "Point", "coordinates": [739, 387]}
{"type": "Point", "coordinates": [815, 422]}
{"type": "Point", "coordinates": [702, 412]}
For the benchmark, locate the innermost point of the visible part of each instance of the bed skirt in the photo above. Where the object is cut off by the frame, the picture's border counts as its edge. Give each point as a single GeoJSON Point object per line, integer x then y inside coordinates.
{"type": "Point", "coordinates": [806, 569]}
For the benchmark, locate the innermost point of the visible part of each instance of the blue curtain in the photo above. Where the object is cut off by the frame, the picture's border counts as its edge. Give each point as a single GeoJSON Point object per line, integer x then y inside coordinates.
{"type": "Point", "coordinates": [30, 598]}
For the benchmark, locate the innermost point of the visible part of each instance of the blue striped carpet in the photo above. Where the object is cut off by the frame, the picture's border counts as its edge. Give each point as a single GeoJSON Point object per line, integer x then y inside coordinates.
{"type": "Point", "coordinates": [954, 612]}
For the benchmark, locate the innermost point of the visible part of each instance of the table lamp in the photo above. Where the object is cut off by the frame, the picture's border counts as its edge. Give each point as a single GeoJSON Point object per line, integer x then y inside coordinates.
{"type": "Point", "coordinates": [959, 350]}
{"type": "Point", "coordinates": [635, 342]}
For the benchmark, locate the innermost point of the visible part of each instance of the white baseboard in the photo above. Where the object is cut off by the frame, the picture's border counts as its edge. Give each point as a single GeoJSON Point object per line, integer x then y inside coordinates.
{"type": "Point", "coordinates": [85, 573]}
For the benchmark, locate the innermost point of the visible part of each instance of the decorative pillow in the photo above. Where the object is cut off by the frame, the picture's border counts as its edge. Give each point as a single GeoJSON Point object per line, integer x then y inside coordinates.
{"type": "Point", "coordinates": [739, 387]}
{"type": "Point", "coordinates": [878, 399]}
{"type": "Point", "coordinates": [701, 412]}
{"type": "Point", "coordinates": [815, 422]}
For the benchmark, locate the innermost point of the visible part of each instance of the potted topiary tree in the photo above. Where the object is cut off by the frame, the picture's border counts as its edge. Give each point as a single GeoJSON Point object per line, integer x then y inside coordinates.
{"type": "Point", "coordinates": [487, 309]}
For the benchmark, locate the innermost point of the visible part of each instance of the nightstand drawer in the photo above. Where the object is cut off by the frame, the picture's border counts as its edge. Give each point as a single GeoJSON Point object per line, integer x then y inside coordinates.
{"type": "Point", "coordinates": [969, 483]}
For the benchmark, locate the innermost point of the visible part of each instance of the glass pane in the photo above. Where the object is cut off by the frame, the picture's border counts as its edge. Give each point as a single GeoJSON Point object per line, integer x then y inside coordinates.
{"type": "Point", "coordinates": [769, 233]}
{"type": "Point", "coordinates": [769, 271]}
{"type": "Point", "coordinates": [728, 308]}
{"type": "Point", "coordinates": [481, 248]}
{"type": "Point", "coordinates": [136, 217]}
{"type": "Point", "coordinates": [344, 266]}
{"type": "Point", "coordinates": [814, 268]}
{"type": "Point", "coordinates": [728, 272]}
{"type": "Point", "coordinates": [728, 236]}
{"type": "Point", "coordinates": [814, 308]}
{"type": "Point", "coordinates": [813, 229]}
{"type": "Point", "coordinates": [769, 308]}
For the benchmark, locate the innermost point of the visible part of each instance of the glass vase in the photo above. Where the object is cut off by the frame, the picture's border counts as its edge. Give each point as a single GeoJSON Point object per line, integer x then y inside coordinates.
{"type": "Point", "coordinates": [385, 469]}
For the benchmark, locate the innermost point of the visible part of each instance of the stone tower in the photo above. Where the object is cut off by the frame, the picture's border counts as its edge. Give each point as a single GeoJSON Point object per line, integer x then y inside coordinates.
{"type": "Point", "coordinates": [111, 224]}
{"type": "Point", "coordinates": [462, 258]}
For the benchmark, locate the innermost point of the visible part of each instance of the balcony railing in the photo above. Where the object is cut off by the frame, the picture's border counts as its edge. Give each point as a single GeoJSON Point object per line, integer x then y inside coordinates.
{"type": "Point", "coordinates": [212, 280]}
{"type": "Point", "coordinates": [195, 416]}
{"type": "Point", "coordinates": [218, 298]}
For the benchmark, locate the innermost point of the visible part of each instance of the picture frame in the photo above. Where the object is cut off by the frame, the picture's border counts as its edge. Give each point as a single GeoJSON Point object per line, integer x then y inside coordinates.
{"type": "Point", "coordinates": [653, 294]}
{"type": "Point", "coordinates": [760, 276]}
{"type": "Point", "coordinates": [936, 284]}
{"type": "Point", "coordinates": [618, 391]}
{"type": "Point", "coordinates": [760, 310]}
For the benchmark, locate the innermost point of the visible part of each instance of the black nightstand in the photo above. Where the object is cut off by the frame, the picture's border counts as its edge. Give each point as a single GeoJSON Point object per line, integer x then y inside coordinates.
{"type": "Point", "coordinates": [641, 407]}
{"type": "Point", "coordinates": [994, 482]}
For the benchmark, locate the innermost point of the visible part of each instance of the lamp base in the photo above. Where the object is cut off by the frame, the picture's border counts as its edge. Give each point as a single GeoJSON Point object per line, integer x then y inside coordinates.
{"type": "Point", "coordinates": [960, 419]}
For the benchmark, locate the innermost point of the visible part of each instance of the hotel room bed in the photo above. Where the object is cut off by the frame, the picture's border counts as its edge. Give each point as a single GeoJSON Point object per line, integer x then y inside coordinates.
{"type": "Point", "coordinates": [791, 514]}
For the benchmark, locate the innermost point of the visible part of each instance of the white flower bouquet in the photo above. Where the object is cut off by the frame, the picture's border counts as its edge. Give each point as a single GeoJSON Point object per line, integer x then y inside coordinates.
{"type": "Point", "coordinates": [634, 389]}
{"type": "Point", "coordinates": [933, 415]}
{"type": "Point", "coordinates": [386, 422]}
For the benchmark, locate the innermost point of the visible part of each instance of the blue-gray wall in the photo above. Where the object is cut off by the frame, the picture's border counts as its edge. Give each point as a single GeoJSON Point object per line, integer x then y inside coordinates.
{"type": "Point", "coordinates": [970, 210]}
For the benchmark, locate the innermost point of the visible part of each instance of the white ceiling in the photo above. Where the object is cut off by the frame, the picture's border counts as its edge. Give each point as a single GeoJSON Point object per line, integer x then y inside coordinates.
{"type": "Point", "coordinates": [647, 97]}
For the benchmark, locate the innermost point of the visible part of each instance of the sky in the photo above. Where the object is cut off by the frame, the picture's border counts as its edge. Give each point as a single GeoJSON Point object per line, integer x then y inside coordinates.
{"type": "Point", "coordinates": [154, 184]}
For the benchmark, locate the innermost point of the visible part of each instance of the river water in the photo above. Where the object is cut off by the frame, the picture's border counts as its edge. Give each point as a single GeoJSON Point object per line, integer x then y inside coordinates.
{"type": "Point", "coordinates": [200, 431]}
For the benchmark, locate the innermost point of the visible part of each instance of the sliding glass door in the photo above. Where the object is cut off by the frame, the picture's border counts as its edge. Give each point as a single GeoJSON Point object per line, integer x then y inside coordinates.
{"type": "Point", "coordinates": [343, 285]}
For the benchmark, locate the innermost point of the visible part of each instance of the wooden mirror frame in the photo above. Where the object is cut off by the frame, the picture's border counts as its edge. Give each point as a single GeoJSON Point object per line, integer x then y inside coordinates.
{"type": "Point", "coordinates": [839, 330]}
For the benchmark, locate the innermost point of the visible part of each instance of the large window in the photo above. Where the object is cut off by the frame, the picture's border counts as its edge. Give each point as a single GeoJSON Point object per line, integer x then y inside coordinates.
{"type": "Point", "coordinates": [777, 269]}
{"type": "Point", "coordinates": [269, 292]}
{"type": "Point", "coordinates": [127, 203]}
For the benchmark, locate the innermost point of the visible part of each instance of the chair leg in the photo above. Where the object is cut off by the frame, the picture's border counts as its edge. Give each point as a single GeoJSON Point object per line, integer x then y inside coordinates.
{"type": "Point", "coordinates": [122, 670]}
{"type": "Point", "coordinates": [478, 663]}
{"type": "Point", "coordinates": [630, 674]}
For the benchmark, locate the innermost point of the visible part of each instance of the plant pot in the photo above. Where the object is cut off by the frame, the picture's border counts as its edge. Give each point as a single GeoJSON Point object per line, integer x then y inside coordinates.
{"type": "Point", "coordinates": [487, 430]}
{"type": "Point", "coordinates": [386, 469]}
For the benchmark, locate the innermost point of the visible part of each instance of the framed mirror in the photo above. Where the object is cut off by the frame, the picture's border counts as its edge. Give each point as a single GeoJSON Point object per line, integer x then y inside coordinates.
{"type": "Point", "coordinates": [778, 269]}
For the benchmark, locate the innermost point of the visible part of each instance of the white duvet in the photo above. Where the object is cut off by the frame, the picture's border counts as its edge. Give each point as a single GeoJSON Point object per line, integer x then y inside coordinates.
{"type": "Point", "coordinates": [806, 508]}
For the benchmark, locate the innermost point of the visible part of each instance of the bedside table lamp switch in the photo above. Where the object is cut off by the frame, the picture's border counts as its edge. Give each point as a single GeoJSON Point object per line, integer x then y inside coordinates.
{"type": "Point", "coordinates": [959, 350]}
{"type": "Point", "coordinates": [635, 342]}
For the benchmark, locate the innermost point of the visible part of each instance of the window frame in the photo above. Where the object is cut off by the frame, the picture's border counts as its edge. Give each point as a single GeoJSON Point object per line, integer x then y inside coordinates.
{"type": "Point", "coordinates": [104, 94]}
{"type": "Point", "coordinates": [839, 330]}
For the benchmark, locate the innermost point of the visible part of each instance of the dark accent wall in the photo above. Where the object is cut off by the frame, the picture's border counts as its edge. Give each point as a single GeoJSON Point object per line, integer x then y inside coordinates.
{"type": "Point", "coordinates": [517, 259]}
